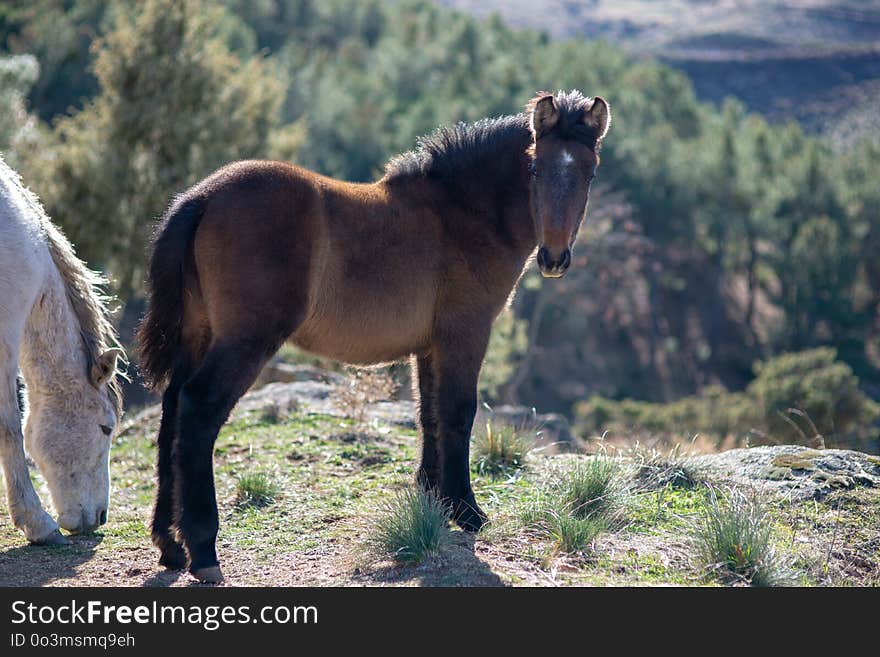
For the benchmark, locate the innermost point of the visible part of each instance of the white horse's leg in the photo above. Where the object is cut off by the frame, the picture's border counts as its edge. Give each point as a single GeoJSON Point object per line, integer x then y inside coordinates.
{"type": "Point", "coordinates": [25, 509]}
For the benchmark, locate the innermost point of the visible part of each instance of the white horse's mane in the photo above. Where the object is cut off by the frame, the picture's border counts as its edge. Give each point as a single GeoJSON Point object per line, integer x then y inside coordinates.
{"type": "Point", "coordinates": [84, 288]}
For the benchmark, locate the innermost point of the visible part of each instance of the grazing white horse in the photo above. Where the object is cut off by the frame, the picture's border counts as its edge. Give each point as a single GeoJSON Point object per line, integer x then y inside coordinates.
{"type": "Point", "coordinates": [53, 325]}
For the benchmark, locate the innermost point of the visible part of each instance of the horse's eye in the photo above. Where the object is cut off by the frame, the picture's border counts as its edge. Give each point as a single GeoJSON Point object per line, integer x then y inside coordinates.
{"type": "Point", "coordinates": [107, 430]}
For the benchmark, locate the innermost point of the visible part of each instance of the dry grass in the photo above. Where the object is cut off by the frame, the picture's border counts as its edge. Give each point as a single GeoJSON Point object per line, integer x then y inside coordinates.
{"type": "Point", "coordinates": [364, 387]}
{"type": "Point", "coordinates": [500, 449]}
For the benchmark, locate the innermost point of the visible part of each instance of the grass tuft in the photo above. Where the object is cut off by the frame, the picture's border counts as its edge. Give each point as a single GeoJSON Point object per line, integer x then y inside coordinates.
{"type": "Point", "coordinates": [583, 502]}
{"type": "Point", "coordinates": [500, 449]}
{"type": "Point", "coordinates": [592, 488]}
{"type": "Point", "coordinates": [655, 470]}
{"type": "Point", "coordinates": [573, 534]}
{"type": "Point", "coordinates": [412, 526]}
{"type": "Point", "coordinates": [734, 541]}
{"type": "Point", "coordinates": [255, 490]}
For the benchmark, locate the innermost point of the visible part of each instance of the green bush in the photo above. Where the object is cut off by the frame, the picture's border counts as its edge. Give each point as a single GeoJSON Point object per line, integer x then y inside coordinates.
{"type": "Point", "coordinates": [824, 390]}
{"type": "Point", "coordinates": [795, 397]}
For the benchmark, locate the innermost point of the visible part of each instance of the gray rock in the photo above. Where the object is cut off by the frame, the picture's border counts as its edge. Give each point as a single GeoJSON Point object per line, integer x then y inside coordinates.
{"type": "Point", "coordinates": [789, 471]}
{"type": "Point", "coordinates": [280, 372]}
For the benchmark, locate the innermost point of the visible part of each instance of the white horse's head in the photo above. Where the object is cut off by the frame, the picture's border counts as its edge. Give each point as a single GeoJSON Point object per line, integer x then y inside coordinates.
{"type": "Point", "coordinates": [69, 439]}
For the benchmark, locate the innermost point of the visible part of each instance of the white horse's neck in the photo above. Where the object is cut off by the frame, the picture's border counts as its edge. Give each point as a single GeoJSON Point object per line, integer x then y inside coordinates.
{"type": "Point", "coordinates": [53, 355]}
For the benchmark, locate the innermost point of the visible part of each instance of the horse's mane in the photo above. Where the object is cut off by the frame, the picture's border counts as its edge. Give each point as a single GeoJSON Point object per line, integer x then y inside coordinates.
{"type": "Point", "coordinates": [85, 291]}
{"type": "Point", "coordinates": [450, 149]}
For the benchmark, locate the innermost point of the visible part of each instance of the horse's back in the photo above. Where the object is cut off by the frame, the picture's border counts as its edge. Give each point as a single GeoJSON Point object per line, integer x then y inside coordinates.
{"type": "Point", "coordinates": [23, 252]}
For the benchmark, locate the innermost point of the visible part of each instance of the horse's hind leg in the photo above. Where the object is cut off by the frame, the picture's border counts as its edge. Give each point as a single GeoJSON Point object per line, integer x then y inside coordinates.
{"type": "Point", "coordinates": [25, 509]}
{"type": "Point", "coordinates": [428, 476]}
{"type": "Point", "coordinates": [172, 553]}
{"type": "Point", "coordinates": [227, 371]}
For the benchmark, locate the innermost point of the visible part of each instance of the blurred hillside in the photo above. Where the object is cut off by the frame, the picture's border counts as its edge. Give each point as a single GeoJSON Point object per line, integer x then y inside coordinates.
{"type": "Point", "coordinates": [718, 238]}
{"type": "Point", "coordinates": [800, 59]}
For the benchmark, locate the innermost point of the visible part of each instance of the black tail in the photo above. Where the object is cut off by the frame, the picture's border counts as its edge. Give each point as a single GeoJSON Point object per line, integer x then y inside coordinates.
{"type": "Point", "coordinates": [22, 395]}
{"type": "Point", "coordinates": [158, 336]}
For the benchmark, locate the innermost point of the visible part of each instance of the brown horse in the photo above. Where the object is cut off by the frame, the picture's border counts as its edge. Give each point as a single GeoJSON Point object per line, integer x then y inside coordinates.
{"type": "Point", "coordinates": [417, 264]}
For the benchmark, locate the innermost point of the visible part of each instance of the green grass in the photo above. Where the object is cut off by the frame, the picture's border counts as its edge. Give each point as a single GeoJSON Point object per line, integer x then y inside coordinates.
{"type": "Point", "coordinates": [592, 488]}
{"type": "Point", "coordinates": [255, 490]}
{"type": "Point", "coordinates": [585, 499]}
{"type": "Point", "coordinates": [734, 542]}
{"type": "Point", "coordinates": [500, 449]}
{"type": "Point", "coordinates": [412, 526]}
{"type": "Point", "coordinates": [573, 519]}
{"type": "Point", "coordinates": [570, 533]}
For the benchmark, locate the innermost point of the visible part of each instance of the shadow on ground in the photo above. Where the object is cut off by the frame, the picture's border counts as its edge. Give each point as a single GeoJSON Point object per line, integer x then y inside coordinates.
{"type": "Point", "coordinates": [35, 565]}
{"type": "Point", "coordinates": [459, 565]}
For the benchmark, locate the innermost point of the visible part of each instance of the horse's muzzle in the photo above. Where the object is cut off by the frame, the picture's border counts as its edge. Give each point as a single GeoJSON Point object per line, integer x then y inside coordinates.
{"type": "Point", "coordinates": [88, 522]}
{"type": "Point", "coordinates": [553, 267]}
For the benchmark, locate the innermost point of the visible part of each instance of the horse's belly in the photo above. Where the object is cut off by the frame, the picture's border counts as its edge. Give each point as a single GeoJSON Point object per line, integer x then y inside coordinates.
{"type": "Point", "coordinates": [361, 330]}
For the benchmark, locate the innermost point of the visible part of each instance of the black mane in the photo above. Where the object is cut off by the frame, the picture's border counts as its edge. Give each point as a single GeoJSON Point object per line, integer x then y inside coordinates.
{"type": "Point", "coordinates": [449, 150]}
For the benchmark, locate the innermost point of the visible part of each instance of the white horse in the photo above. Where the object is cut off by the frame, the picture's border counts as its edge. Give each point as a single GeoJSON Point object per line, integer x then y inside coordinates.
{"type": "Point", "coordinates": [53, 325]}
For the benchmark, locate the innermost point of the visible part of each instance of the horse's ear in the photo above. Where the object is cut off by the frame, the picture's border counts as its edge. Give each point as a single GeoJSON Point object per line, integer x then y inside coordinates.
{"type": "Point", "coordinates": [105, 367]}
{"type": "Point", "coordinates": [598, 117]}
{"type": "Point", "coordinates": [545, 114]}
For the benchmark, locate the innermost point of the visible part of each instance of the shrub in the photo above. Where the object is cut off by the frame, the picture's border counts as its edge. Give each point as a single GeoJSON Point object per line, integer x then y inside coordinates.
{"type": "Point", "coordinates": [797, 397]}
{"type": "Point", "coordinates": [364, 387]}
{"type": "Point", "coordinates": [412, 525]}
{"type": "Point", "coordinates": [821, 388]}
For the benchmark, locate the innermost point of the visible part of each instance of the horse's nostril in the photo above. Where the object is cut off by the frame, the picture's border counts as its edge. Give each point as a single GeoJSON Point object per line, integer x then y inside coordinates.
{"type": "Point", "coordinates": [565, 261]}
{"type": "Point", "coordinates": [102, 516]}
{"type": "Point", "coordinates": [543, 258]}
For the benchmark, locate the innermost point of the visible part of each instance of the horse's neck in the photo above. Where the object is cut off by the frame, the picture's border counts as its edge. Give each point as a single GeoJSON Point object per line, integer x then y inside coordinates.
{"type": "Point", "coordinates": [53, 355]}
{"type": "Point", "coordinates": [496, 185]}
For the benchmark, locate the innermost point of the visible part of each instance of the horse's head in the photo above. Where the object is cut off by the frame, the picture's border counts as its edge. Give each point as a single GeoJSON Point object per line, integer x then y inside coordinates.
{"type": "Point", "coordinates": [567, 130]}
{"type": "Point", "coordinates": [69, 439]}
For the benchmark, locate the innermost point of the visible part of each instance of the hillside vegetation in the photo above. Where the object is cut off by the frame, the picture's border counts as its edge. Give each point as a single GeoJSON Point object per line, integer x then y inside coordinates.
{"type": "Point", "coordinates": [716, 239]}
{"type": "Point", "coordinates": [786, 59]}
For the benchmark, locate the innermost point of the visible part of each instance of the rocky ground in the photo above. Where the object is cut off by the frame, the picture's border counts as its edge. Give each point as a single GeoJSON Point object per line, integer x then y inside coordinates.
{"type": "Point", "coordinates": [333, 474]}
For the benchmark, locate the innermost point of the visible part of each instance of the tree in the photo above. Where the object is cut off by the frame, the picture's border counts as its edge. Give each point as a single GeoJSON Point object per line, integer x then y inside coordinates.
{"type": "Point", "coordinates": [18, 128]}
{"type": "Point", "coordinates": [174, 104]}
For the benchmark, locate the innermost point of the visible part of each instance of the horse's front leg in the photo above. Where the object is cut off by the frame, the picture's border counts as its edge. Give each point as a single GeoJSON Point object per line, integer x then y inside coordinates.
{"type": "Point", "coordinates": [457, 366]}
{"type": "Point", "coordinates": [25, 509]}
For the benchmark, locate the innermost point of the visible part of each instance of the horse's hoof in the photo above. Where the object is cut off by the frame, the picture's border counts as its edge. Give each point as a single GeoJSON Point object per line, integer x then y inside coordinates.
{"type": "Point", "coordinates": [173, 557]}
{"type": "Point", "coordinates": [469, 516]}
{"type": "Point", "coordinates": [55, 538]}
{"type": "Point", "coordinates": [209, 575]}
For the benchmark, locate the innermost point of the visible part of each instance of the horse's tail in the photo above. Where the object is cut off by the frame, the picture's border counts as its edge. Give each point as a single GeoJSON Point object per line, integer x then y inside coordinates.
{"type": "Point", "coordinates": [159, 334]}
{"type": "Point", "coordinates": [21, 394]}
